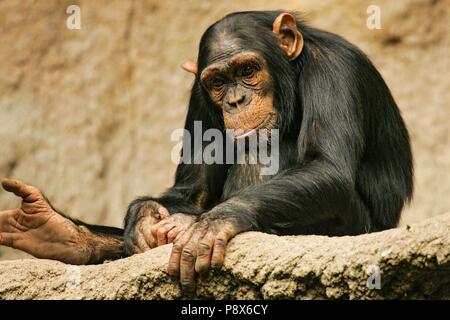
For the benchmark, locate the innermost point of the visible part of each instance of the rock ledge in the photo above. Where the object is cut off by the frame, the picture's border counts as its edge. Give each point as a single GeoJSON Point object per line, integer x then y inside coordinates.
{"type": "Point", "coordinates": [412, 262]}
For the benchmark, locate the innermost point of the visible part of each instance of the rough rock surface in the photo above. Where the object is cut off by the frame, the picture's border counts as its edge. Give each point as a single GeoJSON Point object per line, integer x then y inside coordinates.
{"type": "Point", "coordinates": [87, 114]}
{"type": "Point", "coordinates": [414, 262]}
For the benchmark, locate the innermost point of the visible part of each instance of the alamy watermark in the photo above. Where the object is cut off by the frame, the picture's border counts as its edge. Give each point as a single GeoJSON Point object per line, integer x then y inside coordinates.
{"type": "Point", "coordinates": [374, 280]}
{"type": "Point", "coordinates": [374, 18]}
{"type": "Point", "coordinates": [73, 21]}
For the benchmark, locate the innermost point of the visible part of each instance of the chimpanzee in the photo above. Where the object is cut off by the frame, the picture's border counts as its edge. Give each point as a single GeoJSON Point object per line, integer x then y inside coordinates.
{"type": "Point", "coordinates": [345, 159]}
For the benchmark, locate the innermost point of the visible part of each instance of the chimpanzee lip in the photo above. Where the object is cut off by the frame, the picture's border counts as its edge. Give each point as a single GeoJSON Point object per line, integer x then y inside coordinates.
{"type": "Point", "coordinates": [248, 132]}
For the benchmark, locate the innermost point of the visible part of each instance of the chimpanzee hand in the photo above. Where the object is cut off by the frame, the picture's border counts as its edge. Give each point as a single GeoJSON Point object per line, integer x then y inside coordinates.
{"type": "Point", "coordinates": [143, 214]}
{"type": "Point", "coordinates": [201, 246]}
{"type": "Point", "coordinates": [171, 228]}
{"type": "Point", "coordinates": [39, 230]}
{"type": "Point", "coordinates": [153, 226]}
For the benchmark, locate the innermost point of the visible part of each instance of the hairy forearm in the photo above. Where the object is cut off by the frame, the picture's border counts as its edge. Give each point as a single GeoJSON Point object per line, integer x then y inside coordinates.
{"type": "Point", "coordinates": [102, 246]}
{"type": "Point", "coordinates": [103, 242]}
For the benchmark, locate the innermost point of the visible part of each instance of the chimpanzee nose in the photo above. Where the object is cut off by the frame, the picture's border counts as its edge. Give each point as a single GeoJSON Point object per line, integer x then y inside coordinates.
{"type": "Point", "coordinates": [235, 100]}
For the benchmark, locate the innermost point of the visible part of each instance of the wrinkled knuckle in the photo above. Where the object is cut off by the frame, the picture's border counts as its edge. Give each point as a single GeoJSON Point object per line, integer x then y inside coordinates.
{"type": "Point", "coordinates": [187, 254]}
{"type": "Point", "coordinates": [202, 246]}
{"type": "Point", "coordinates": [220, 241]}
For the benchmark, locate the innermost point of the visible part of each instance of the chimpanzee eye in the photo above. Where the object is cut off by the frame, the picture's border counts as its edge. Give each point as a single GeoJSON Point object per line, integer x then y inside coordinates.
{"type": "Point", "coordinates": [218, 83]}
{"type": "Point", "coordinates": [248, 71]}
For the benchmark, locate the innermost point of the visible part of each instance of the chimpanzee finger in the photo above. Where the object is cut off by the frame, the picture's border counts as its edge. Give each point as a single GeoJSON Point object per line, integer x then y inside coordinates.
{"type": "Point", "coordinates": [173, 267]}
{"type": "Point", "coordinates": [153, 229]}
{"type": "Point", "coordinates": [204, 250]}
{"type": "Point", "coordinates": [172, 234]}
{"type": "Point", "coordinates": [8, 239]}
{"type": "Point", "coordinates": [146, 234]}
{"type": "Point", "coordinates": [7, 220]}
{"type": "Point", "coordinates": [187, 261]}
{"type": "Point", "coordinates": [161, 234]}
{"type": "Point", "coordinates": [20, 189]}
{"type": "Point", "coordinates": [218, 254]}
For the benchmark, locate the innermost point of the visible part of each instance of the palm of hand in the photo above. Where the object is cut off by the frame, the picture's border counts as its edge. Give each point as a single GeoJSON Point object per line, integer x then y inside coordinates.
{"type": "Point", "coordinates": [36, 228]}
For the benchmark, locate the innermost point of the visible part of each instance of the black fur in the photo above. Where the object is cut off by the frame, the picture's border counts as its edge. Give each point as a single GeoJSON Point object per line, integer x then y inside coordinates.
{"type": "Point", "coordinates": [345, 158]}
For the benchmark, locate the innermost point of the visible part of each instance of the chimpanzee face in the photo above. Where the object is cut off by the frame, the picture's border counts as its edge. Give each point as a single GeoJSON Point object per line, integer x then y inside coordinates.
{"type": "Point", "coordinates": [241, 86]}
{"type": "Point", "coordinates": [237, 79]}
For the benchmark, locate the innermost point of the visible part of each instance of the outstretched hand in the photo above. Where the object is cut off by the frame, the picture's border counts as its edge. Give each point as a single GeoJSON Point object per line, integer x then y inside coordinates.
{"type": "Point", "coordinates": [36, 228]}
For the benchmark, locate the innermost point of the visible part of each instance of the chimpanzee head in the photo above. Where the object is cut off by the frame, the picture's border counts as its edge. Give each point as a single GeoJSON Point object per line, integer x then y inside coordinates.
{"type": "Point", "coordinates": [247, 69]}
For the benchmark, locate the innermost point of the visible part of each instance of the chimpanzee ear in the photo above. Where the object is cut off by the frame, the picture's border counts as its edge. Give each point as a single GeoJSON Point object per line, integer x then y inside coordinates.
{"type": "Point", "coordinates": [190, 66]}
{"type": "Point", "coordinates": [290, 39]}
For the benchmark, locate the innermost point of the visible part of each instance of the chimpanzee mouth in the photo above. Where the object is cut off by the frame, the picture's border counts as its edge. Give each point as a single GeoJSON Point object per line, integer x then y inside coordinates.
{"type": "Point", "coordinates": [243, 133]}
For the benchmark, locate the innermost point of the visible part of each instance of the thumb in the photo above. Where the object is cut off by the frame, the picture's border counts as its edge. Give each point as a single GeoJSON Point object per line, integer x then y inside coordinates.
{"type": "Point", "coordinates": [20, 189]}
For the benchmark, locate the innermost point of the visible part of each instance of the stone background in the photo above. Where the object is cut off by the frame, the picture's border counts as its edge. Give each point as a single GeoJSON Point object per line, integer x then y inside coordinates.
{"type": "Point", "coordinates": [87, 114]}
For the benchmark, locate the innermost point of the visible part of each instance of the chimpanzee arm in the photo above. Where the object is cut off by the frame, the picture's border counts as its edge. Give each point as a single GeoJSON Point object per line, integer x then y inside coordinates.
{"type": "Point", "coordinates": [316, 198]}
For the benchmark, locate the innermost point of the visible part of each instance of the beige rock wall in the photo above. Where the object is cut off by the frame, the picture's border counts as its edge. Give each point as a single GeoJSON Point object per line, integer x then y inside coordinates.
{"type": "Point", "coordinates": [87, 114]}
